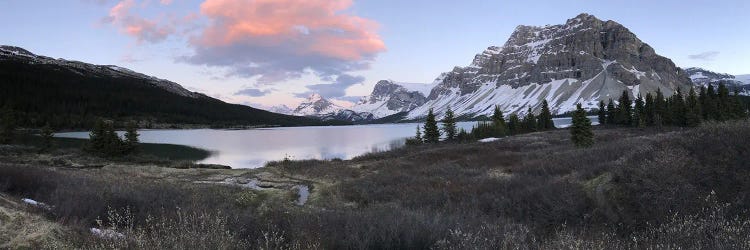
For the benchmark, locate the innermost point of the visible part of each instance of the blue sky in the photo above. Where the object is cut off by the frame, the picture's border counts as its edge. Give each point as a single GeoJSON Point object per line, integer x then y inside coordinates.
{"type": "Point", "coordinates": [408, 41]}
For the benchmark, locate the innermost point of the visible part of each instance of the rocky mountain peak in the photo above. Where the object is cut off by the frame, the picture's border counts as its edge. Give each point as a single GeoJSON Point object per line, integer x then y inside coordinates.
{"type": "Point", "coordinates": [583, 60]}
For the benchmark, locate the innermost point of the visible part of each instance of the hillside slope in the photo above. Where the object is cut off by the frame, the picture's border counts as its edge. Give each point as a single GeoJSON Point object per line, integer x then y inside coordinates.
{"type": "Point", "coordinates": [73, 94]}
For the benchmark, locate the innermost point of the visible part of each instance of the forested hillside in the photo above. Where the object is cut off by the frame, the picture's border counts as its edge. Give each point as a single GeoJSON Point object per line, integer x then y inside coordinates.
{"type": "Point", "coordinates": [70, 98]}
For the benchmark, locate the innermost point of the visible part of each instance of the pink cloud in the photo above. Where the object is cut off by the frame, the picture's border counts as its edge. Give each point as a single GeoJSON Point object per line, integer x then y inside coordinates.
{"type": "Point", "coordinates": [326, 31]}
{"type": "Point", "coordinates": [165, 2]}
{"type": "Point", "coordinates": [141, 28]}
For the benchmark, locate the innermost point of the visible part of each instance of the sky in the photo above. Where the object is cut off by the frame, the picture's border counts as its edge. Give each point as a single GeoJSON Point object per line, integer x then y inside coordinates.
{"type": "Point", "coordinates": [276, 52]}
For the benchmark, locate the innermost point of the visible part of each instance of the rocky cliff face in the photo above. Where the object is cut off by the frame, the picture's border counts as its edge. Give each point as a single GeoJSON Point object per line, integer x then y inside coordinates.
{"type": "Point", "coordinates": [584, 60]}
{"type": "Point", "coordinates": [389, 97]}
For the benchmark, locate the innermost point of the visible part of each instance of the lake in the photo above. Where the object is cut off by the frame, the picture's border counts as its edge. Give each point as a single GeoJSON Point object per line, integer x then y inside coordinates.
{"type": "Point", "coordinates": [252, 148]}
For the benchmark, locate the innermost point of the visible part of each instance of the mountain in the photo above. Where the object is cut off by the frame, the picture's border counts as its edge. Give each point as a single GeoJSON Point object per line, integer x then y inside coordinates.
{"type": "Point", "coordinates": [281, 109]}
{"type": "Point", "coordinates": [72, 94]}
{"type": "Point", "coordinates": [388, 98]}
{"type": "Point", "coordinates": [319, 107]}
{"type": "Point", "coordinates": [583, 60]}
{"type": "Point", "coordinates": [316, 105]}
{"type": "Point", "coordinates": [702, 77]}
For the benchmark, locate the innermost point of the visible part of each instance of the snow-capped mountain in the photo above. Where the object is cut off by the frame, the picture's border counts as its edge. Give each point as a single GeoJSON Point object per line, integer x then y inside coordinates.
{"type": "Point", "coordinates": [702, 77]}
{"type": "Point", "coordinates": [582, 61]}
{"type": "Point", "coordinates": [317, 106]}
{"type": "Point", "coordinates": [281, 109]}
{"type": "Point", "coordinates": [81, 68]}
{"type": "Point", "coordinates": [389, 97]}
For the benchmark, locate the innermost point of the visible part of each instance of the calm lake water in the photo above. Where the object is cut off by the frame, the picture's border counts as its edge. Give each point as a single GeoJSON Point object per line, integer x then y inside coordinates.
{"type": "Point", "coordinates": [254, 147]}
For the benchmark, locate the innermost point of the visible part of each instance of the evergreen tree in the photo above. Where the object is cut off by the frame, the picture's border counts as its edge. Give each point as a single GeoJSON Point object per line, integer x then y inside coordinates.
{"type": "Point", "coordinates": [449, 125]}
{"type": "Point", "coordinates": [602, 113]}
{"type": "Point", "coordinates": [738, 109]}
{"type": "Point", "coordinates": [693, 115]}
{"type": "Point", "coordinates": [131, 138]}
{"type": "Point", "coordinates": [416, 140]}
{"type": "Point", "coordinates": [660, 108]}
{"type": "Point", "coordinates": [648, 109]}
{"type": "Point", "coordinates": [545, 118]}
{"type": "Point", "coordinates": [580, 130]}
{"type": "Point", "coordinates": [624, 110]}
{"type": "Point", "coordinates": [722, 104]}
{"type": "Point", "coordinates": [677, 109]}
{"type": "Point", "coordinates": [418, 136]}
{"type": "Point", "coordinates": [47, 134]}
{"type": "Point", "coordinates": [463, 136]}
{"type": "Point", "coordinates": [498, 121]}
{"type": "Point", "coordinates": [529, 121]}
{"type": "Point", "coordinates": [611, 112]}
{"type": "Point", "coordinates": [702, 100]}
{"type": "Point", "coordinates": [514, 124]}
{"type": "Point", "coordinates": [639, 117]}
{"type": "Point", "coordinates": [431, 130]}
{"type": "Point", "coordinates": [711, 104]}
{"type": "Point", "coordinates": [7, 125]}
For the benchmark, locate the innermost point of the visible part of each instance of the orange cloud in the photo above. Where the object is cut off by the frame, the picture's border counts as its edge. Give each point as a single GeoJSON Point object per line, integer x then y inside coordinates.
{"type": "Point", "coordinates": [141, 28]}
{"type": "Point", "coordinates": [317, 27]}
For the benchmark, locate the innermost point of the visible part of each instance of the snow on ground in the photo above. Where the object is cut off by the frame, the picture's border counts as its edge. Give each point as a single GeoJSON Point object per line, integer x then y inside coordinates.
{"type": "Point", "coordinates": [36, 204]}
{"type": "Point", "coordinates": [491, 139]}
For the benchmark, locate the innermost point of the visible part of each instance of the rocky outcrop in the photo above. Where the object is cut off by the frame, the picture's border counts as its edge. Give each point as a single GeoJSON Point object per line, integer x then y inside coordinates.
{"type": "Point", "coordinates": [582, 61]}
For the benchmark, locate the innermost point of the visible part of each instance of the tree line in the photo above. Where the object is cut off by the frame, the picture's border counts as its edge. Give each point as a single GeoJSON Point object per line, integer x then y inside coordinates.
{"type": "Point", "coordinates": [496, 127]}
{"type": "Point", "coordinates": [681, 110]}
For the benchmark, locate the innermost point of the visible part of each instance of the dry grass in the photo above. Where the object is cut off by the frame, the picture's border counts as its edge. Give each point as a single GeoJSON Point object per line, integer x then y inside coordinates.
{"type": "Point", "coordinates": [636, 188]}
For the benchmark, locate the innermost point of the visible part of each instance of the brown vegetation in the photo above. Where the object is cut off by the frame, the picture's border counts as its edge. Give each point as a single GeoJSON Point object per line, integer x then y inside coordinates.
{"type": "Point", "coordinates": [636, 188]}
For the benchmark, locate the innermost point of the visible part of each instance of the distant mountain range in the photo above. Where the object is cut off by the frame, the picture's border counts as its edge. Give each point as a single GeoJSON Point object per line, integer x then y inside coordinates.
{"type": "Point", "coordinates": [584, 60]}
{"type": "Point", "coordinates": [72, 94]}
{"type": "Point", "coordinates": [703, 77]}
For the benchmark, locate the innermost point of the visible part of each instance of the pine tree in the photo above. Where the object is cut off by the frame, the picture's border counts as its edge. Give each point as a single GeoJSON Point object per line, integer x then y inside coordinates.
{"type": "Point", "coordinates": [738, 109]}
{"type": "Point", "coordinates": [416, 140]}
{"type": "Point", "coordinates": [602, 113]}
{"type": "Point", "coordinates": [498, 122]}
{"type": "Point", "coordinates": [723, 105]}
{"type": "Point", "coordinates": [47, 134]}
{"type": "Point", "coordinates": [660, 108]}
{"type": "Point", "coordinates": [545, 118]}
{"type": "Point", "coordinates": [580, 130]}
{"type": "Point", "coordinates": [677, 109]}
{"type": "Point", "coordinates": [711, 104]}
{"type": "Point", "coordinates": [639, 119]}
{"type": "Point", "coordinates": [702, 100]}
{"type": "Point", "coordinates": [529, 121]}
{"type": "Point", "coordinates": [463, 136]}
{"type": "Point", "coordinates": [624, 110]}
{"type": "Point", "coordinates": [514, 124]}
{"type": "Point", "coordinates": [131, 138]}
{"type": "Point", "coordinates": [418, 136]}
{"type": "Point", "coordinates": [449, 125]}
{"type": "Point", "coordinates": [693, 116]}
{"type": "Point", "coordinates": [7, 125]}
{"type": "Point", "coordinates": [611, 112]}
{"type": "Point", "coordinates": [648, 109]}
{"type": "Point", "coordinates": [431, 130]}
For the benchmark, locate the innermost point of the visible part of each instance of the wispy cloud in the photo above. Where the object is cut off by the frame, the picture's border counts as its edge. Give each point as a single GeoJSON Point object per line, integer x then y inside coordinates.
{"type": "Point", "coordinates": [705, 56]}
{"type": "Point", "coordinates": [252, 92]}
{"type": "Point", "coordinates": [333, 90]}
